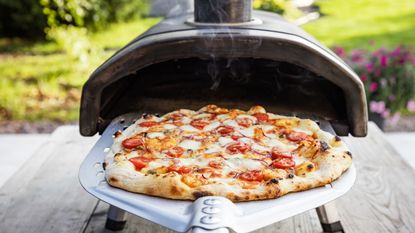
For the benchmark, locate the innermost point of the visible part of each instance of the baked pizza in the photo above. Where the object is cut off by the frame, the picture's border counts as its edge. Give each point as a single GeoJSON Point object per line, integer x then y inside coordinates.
{"type": "Point", "coordinates": [241, 155]}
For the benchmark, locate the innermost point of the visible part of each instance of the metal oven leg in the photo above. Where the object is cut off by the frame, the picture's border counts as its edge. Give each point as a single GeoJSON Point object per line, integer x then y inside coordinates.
{"type": "Point", "coordinates": [116, 219]}
{"type": "Point", "coordinates": [329, 218]}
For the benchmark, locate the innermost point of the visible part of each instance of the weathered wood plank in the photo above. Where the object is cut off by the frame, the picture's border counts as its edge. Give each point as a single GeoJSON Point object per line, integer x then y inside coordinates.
{"type": "Point", "coordinates": [306, 222]}
{"type": "Point", "coordinates": [47, 197]}
{"type": "Point", "coordinates": [383, 197]}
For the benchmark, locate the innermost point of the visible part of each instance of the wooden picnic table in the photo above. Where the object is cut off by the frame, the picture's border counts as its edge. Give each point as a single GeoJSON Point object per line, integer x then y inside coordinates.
{"type": "Point", "coordinates": [45, 194]}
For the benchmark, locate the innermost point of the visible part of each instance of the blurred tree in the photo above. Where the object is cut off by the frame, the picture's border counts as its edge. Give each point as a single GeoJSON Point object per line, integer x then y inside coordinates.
{"type": "Point", "coordinates": [21, 18]}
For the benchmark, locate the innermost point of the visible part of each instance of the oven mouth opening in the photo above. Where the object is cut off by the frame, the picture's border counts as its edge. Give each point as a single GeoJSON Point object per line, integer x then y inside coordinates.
{"type": "Point", "coordinates": [191, 83]}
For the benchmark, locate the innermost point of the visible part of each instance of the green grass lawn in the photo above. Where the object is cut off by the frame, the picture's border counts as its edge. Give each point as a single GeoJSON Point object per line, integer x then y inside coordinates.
{"type": "Point", "coordinates": [40, 82]}
{"type": "Point", "coordinates": [357, 23]}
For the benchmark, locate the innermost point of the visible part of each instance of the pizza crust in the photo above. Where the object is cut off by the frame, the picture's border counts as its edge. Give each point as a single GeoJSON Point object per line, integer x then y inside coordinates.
{"type": "Point", "coordinates": [332, 163]}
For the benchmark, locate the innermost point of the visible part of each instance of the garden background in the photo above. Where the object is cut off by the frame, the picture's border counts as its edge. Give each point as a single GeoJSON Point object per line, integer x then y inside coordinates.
{"type": "Point", "coordinates": [48, 48]}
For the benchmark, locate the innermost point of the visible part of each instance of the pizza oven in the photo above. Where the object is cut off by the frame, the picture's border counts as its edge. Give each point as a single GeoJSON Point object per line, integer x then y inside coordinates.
{"type": "Point", "coordinates": [224, 54]}
{"type": "Point", "coordinates": [230, 56]}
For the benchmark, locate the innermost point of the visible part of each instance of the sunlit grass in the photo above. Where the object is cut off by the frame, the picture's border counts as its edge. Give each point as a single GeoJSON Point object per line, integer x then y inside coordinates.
{"type": "Point", "coordinates": [38, 81]}
{"type": "Point", "coordinates": [359, 23]}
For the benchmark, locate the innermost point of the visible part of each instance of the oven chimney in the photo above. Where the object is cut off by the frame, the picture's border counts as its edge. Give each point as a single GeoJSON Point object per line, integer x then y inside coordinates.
{"type": "Point", "coordinates": [223, 11]}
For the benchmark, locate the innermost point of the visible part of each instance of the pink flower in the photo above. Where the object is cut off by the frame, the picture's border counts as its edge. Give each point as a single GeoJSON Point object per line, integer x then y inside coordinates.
{"type": "Point", "coordinates": [377, 107]}
{"type": "Point", "coordinates": [384, 61]}
{"type": "Point", "coordinates": [392, 98]}
{"type": "Point", "coordinates": [357, 56]}
{"type": "Point", "coordinates": [369, 67]}
{"type": "Point", "coordinates": [395, 118]}
{"type": "Point", "coordinates": [411, 106]}
{"type": "Point", "coordinates": [396, 52]}
{"type": "Point", "coordinates": [340, 51]}
{"type": "Point", "coordinates": [373, 87]}
{"type": "Point", "coordinates": [363, 77]}
{"type": "Point", "coordinates": [385, 114]}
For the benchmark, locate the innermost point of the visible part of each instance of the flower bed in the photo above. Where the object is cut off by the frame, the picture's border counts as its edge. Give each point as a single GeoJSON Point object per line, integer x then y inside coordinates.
{"type": "Point", "coordinates": [388, 77]}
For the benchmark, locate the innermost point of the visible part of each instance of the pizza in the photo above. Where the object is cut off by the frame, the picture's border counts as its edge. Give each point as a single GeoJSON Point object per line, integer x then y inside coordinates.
{"type": "Point", "coordinates": [240, 155]}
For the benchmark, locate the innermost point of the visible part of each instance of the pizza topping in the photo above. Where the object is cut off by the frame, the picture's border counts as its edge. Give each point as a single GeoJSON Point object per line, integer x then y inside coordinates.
{"type": "Point", "coordinates": [199, 123]}
{"type": "Point", "coordinates": [190, 144]}
{"type": "Point", "coordinates": [140, 162]}
{"type": "Point", "coordinates": [247, 149]}
{"type": "Point", "coordinates": [225, 130]}
{"type": "Point", "coordinates": [251, 176]}
{"type": "Point", "coordinates": [175, 152]}
{"type": "Point", "coordinates": [261, 117]}
{"type": "Point", "coordinates": [238, 147]}
{"type": "Point", "coordinates": [337, 138]}
{"type": "Point", "coordinates": [244, 122]}
{"type": "Point", "coordinates": [324, 146]}
{"type": "Point", "coordinates": [180, 170]}
{"type": "Point", "coordinates": [148, 124]}
{"type": "Point", "coordinates": [131, 143]}
{"type": "Point", "coordinates": [283, 163]}
{"type": "Point", "coordinates": [276, 153]}
{"type": "Point", "coordinates": [297, 136]}
{"type": "Point", "coordinates": [216, 164]}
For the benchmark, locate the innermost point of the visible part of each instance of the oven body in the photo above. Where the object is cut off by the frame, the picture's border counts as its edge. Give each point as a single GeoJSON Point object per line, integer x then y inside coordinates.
{"type": "Point", "coordinates": [180, 63]}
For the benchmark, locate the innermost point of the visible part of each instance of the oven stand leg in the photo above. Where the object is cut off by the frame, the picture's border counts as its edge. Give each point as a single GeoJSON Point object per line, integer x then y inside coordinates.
{"type": "Point", "coordinates": [116, 219]}
{"type": "Point", "coordinates": [329, 218]}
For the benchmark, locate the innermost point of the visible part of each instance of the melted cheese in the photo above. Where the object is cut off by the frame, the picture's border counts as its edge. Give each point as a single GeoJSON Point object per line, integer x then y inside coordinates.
{"type": "Point", "coordinates": [245, 164]}
{"type": "Point", "coordinates": [231, 123]}
{"type": "Point", "coordinates": [247, 132]}
{"type": "Point", "coordinates": [156, 135]}
{"type": "Point", "coordinates": [211, 126]}
{"type": "Point", "coordinates": [223, 141]}
{"type": "Point", "coordinates": [188, 128]}
{"type": "Point", "coordinates": [190, 144]}
{"type": "Point", "coordinates": [169, 126]}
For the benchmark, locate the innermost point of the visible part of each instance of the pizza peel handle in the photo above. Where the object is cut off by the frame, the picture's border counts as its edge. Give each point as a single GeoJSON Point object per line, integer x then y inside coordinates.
{"type": "Point", "coordinates": [213, 214]}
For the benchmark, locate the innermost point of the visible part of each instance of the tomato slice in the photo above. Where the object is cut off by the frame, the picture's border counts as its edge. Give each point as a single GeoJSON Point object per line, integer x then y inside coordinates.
{"type": "Point", "coordinates": [297, 136]}
{"type": "Point", "coordinates": [276, 153]}
{"type": "Point", "coordinates": [199, 123]}
{"type": "Point", "coordinates": [180, 170]}
{"type": "Point", "coordinates": [244, 122]}
{"type": "Point", "coordinates": [238, 147]}
{"type": "Point", "coordinates": [133, 142]}
{"type": "Point", "coordinates": [176, 116]}
{"type": "Point", "coordinates": [139, 162]}
{"type": "Point", "coordinates": [175, 152]}
{"type": "Point", "coordinates": [225, 130]}
{"type": "Point", "coordinates": [215, 164]}
{"type": "Point", "coordinates": [148, 124]}
{"type": "Point", "coordinates": [261, 117]}
{"type": "Point", "coordinates": [235, 137]}
{"type": "Point", "coordinates": [283, 163]}
{"type": "Point", "coordinates": [251, 176]}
